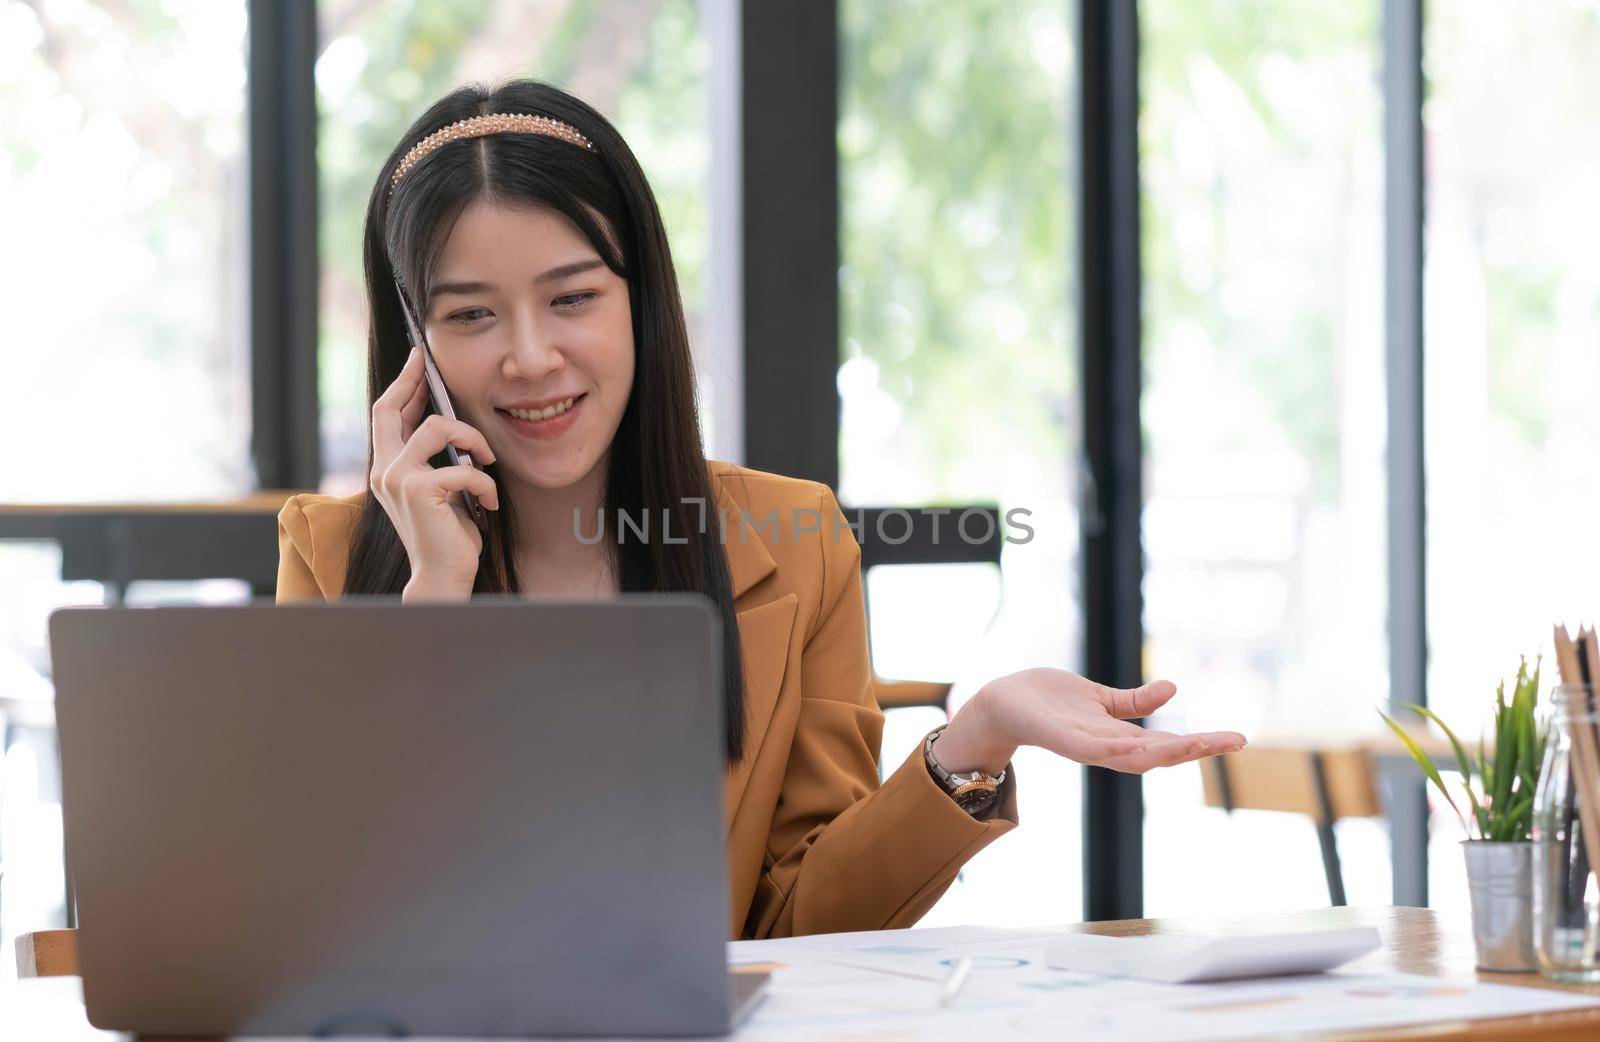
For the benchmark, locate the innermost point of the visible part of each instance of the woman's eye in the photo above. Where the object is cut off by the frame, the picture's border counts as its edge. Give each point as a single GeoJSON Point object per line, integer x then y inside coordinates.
{"type": "Point", "coordinates": [467, 316]}
{"type": "Point", "coordinates": [575, 300]}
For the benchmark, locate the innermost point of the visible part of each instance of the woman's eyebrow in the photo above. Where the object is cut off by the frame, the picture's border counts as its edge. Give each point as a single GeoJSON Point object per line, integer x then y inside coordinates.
{"type": "Point", "coordinates": [553, 275]}
{"type": "Point", "coordinates": [440, 288]}
{"type": "Point", "coordinates": [565, 270]}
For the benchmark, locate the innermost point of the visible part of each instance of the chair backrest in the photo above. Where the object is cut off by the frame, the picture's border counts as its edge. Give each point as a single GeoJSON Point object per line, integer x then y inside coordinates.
{"type": "Point", "coordinates": [922, 536]}
{"type": "Point", "coordinates": [118, 544]}
{"type": "Point", "coordinates": [126, 548]}
{"type": "Point", "coordinates": [928, 535]}
{"type": "Point", "coordinates": [1325, 783]}
{"type": "Point", "coordinates": [47, 953]}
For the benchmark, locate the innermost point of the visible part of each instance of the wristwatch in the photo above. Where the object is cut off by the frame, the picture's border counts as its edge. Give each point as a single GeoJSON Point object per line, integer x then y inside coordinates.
{"type": "Point", "coordinates": [974, 791]}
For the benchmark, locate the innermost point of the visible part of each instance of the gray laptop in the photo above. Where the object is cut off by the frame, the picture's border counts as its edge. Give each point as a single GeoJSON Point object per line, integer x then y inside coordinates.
{"type": "Point", "coordinates": [498, 818]}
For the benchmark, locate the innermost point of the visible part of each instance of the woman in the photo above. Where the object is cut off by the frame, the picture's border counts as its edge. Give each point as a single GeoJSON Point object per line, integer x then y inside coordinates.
{"type": "Point", "coordinates": [518, 225]}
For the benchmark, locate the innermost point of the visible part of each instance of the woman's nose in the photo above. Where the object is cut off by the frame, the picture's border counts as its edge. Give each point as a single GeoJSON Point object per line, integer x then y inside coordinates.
{"type": "Point", "coordinates": [533, 354]}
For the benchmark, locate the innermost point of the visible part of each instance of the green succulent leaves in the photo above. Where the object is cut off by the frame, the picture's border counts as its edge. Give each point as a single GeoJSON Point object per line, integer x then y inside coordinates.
{"type": "Point", "coordinates": [1499, 786]}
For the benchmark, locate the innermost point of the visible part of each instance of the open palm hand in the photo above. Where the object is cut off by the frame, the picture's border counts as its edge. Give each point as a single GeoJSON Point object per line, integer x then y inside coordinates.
{"type": "Point", "coordinates": [1073, 717]}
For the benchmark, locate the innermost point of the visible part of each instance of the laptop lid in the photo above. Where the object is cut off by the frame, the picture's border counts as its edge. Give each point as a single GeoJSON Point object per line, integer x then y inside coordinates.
{"type": "Point", "coordinates": [495, 818]}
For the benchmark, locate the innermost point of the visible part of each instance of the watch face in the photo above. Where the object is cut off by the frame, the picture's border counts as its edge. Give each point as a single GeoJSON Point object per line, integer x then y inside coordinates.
{"type": "Point", "coordinates": [976, 801]}
{"type": "Point", "coordinates": [976, 796]}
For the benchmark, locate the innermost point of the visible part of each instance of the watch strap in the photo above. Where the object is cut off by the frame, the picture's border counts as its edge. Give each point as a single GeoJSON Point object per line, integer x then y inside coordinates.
{"type": "Point", "coordinates": [976, 792]}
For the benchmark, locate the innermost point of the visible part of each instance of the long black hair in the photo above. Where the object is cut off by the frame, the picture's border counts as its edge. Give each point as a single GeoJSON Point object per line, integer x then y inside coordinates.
{"type": "Point", "coordinates": [656, 462]}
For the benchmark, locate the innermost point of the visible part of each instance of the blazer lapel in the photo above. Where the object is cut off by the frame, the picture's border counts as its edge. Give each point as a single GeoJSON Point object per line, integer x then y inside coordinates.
{"type": "Point", "coordinates": [764, 631]}
{"type": "Point", "coordinates": [749, 560]}
{"type": "Point", "coordinates": [764, 637]}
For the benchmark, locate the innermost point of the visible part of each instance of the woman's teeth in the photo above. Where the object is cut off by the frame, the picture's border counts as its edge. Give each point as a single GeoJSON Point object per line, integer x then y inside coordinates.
{"type": "Point", "coordinates": [542, 414]}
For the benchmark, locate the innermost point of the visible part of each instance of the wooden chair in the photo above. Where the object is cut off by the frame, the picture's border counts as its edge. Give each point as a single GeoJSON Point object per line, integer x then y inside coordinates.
{"type": "Point", "coordinates": [1325, 784]}
{"type": "Point", "coordinates": [48, 953]}
{"type": "Point", "coordinates": [121, 543]}
{"type": "Point", "coordinates": [879, 536]}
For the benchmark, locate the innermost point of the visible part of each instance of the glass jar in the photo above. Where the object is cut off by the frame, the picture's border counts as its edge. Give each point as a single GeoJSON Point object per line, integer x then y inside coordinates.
{"type": "Point", "coordinates": [1566, 841]}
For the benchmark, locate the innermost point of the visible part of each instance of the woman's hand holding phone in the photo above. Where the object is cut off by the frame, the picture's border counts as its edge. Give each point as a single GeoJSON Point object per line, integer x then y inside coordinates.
{"type": "Point", "coordinates": [422, 501]}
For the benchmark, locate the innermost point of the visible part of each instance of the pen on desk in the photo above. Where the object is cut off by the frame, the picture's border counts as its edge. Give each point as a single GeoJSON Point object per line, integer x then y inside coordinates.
{"type": "Point", "coordinates": [952, 983]}
{"type": "Point", "coordinates": [885, 969]}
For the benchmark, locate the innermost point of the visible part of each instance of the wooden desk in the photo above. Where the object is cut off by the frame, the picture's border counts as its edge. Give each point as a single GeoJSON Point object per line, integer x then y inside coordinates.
{"type": "Point", "coordinates": [1414, 941]}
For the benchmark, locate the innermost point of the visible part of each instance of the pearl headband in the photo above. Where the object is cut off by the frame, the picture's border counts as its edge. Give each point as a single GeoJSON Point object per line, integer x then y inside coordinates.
{"type": "Point", "coordinates": [482, 126]}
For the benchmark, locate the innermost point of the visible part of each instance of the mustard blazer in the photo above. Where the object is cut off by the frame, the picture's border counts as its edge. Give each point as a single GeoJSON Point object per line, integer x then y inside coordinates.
{"type": "Point", "coordinates": [815, 843]}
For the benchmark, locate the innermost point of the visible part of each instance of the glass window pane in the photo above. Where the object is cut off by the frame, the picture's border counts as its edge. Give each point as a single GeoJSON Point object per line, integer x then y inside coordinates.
{"type": "Point", "coordinates": [125, 355]}
{"type": "Point", "coordinates": [1512, 327]}
{"type": "Point", "coordinates": [1261, 137]}
{"type": "Point", "coordinates": [642, 65]}
{"type": "Point", "coordinates": [122, 186]}
{"type": "Point", "coordinates": [958, 375]}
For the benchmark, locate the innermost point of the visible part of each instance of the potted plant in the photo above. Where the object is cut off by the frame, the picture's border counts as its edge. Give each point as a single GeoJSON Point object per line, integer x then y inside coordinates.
{"type": "Point", "coordinates": [1500, 783]}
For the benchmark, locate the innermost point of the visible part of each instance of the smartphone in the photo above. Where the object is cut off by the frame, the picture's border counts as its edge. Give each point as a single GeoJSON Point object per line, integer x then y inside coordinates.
{"type": "Point", "coordinates": [439, 398]}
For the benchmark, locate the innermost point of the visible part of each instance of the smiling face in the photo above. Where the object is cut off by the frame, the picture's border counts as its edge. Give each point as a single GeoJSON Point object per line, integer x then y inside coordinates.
{"type": "Point", "coordinates": [533, 335]}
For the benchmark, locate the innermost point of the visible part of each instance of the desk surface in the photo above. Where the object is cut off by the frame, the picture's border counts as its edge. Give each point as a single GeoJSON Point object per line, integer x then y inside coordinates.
{"type": "Point", "coordinates": [1414, 941]}
{"type": "Point", "coordinates": [264, 501]}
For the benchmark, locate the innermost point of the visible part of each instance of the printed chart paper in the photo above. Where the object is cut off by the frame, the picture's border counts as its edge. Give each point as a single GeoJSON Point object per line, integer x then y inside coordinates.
{"type": "Point", "coordinates": [865, 987]}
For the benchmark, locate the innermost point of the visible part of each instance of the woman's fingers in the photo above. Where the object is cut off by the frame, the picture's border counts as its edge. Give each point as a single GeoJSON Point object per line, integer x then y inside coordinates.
{"type": "Point", "coordinates": [412, 412]}
{"type": "Point", "coordinates": [435, 432]}
{"type": "Point", "coordinates": [1132, 703]}
{"type": "Point", "coordinates": [1140, 752]}
{"type": "Point", "coordinates": [1168, 752]}
{"type": "Point", "coordinates": [443, 481]}
{"type": "Point", "coordinates": [387, 432]}
{"type": "Point", "coordinates": [1076, 744]}
{"type": "Point", "coordinates": [1114, 728]}
{"type": "Point", "coordinates": [1105, 728]}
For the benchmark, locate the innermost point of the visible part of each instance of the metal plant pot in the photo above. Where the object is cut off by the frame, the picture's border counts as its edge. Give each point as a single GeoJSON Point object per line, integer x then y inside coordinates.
{"type": "Point", "coordinates": [1500, 878]}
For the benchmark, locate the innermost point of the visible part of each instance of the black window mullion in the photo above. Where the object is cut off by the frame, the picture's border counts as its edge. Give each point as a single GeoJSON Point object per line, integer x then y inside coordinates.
{"type": "Point", "coordinates": [790, 237]}
{"type": "Point", "coordinates": [1110, 515]}
{"type": "Point", "coordinates": [285, 441]}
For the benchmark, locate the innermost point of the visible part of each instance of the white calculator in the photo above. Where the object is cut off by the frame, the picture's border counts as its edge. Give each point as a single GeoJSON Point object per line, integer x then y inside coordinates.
{"type": "Point", "coordinates": [1180, 959]}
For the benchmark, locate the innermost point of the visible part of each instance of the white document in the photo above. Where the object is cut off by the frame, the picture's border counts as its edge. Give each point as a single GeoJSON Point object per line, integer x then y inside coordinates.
{"type": "Point", "coordinates": [860, 987]}
{"type": "Point", "coordinates": [1179, 959]}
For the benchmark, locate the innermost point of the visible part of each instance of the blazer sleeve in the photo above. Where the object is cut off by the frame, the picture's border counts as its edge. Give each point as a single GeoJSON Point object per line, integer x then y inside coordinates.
{"type": "Point", "coordinates": [296, 581]}
{"type": "Point", "coordinates": [845, 853]}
